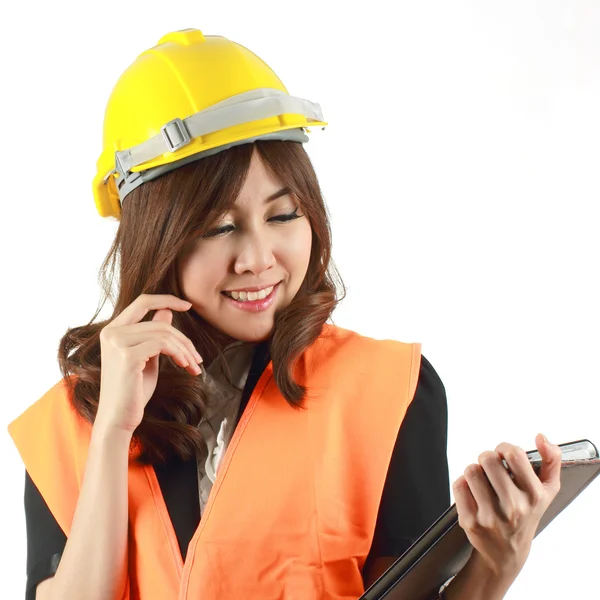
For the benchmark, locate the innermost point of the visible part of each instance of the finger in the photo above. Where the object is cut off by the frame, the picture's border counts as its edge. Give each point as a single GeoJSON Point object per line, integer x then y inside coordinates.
{"type": "Point", "coordinates": [551, 462]}
{"type": "Point", "coordinates": [138, 332]}
{"type": "Point", "coordinates": [163, 315]}
{"type": "Point", "coordinates": [525, 477]}
{"type": "Point", "coordinates": [134, 335]}
{"type": "Point", "coordinates": [190, 360]}
{"type": "Point", "coordinates": [169, 340]}
{"type": "Point", "coordinates": [466, 506]}
{"type": "Point", "coordinates": [144, 303]}
{"type": "Point", "coordinates": [498, 476]}
{"type": "Point", "coordinates": [481, 489]}
{"type": "Point", "coordinates": [152, 347]}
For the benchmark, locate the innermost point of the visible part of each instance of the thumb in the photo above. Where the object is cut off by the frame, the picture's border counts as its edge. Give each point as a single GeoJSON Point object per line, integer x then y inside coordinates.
{"type": "Point", "coordinates": [163, 314]}
{"type": "Point", "coordinates": [551, 461]}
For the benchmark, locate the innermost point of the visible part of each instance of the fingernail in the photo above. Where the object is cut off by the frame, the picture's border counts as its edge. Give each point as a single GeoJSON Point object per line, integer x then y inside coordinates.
{"type": "Point", "coordinates": [545, 439]}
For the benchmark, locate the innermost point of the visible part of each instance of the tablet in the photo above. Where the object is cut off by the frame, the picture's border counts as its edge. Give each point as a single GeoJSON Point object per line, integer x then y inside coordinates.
{"type": "Point", "coordinates": [444, 549]}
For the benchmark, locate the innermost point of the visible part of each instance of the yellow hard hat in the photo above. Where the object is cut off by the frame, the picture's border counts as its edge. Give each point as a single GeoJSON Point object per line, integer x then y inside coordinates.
{"type": "Point", "coordinates": [188, 97]}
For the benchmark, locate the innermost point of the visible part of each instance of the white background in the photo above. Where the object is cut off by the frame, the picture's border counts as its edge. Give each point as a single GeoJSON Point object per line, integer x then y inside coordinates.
{"type": "Point", "coordinates": [461, 171]}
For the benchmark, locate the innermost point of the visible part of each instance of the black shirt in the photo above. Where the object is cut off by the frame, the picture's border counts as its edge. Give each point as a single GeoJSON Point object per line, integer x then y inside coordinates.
{"type": "Point", "coordinates": [416, 491]}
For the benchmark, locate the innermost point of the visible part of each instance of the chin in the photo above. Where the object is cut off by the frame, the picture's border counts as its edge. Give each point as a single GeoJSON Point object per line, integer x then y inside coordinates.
{"type": "Point", "coordinates": [251, 335]}
{"type": "Point", "coordinates": [244, 330]}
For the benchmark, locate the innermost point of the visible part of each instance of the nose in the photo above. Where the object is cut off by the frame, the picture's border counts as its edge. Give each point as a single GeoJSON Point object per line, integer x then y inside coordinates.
{"type": "Point", "coordinates": [255, 253]}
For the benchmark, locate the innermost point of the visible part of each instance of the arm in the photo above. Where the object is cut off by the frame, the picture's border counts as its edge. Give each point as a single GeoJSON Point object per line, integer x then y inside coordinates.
{"type": "Point", "coordinates": [417, 487]}
{"type": "Point", "coordinates": [93, 565]}
{"type": "Point", "coordinates": [45, 539]}
{"type": "Point", "coordinates": [419, 463]}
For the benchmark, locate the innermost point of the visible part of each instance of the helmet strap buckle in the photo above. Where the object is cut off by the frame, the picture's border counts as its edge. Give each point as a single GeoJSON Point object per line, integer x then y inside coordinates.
{"type": "Point", "coordinates": [175, 134]}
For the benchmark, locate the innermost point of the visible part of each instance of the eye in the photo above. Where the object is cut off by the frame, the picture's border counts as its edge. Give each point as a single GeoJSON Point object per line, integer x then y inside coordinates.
{"type": "Point", "coordinates": [289, 217]}
{"type": "Point", "coordinates": [227, 228]}
{"type": "Point", "coordinates": [217, 232]}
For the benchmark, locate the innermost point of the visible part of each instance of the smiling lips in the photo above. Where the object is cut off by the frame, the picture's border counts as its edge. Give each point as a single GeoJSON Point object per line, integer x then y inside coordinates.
{"type": "Point", "coordinates": [250, 296]}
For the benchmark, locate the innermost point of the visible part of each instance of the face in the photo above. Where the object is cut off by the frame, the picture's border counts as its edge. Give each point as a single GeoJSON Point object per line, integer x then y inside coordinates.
{"type": "Point", "coordinates": [260, 243]}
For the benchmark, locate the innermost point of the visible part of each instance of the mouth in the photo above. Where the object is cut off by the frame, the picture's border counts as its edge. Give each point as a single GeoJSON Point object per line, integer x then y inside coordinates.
{"type": "Point", "coordinates": [250, 294]}
{"type": "Point", "coordinates": [253, 301]}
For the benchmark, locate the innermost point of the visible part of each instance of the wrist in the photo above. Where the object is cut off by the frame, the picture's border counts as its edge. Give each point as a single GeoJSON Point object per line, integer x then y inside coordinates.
{"type": "Point", "coordinates": [103, 432]}
{"type": "Point", "coordinates": [507, 572]}
{"type": "Point", "coordinates": [477, 581]}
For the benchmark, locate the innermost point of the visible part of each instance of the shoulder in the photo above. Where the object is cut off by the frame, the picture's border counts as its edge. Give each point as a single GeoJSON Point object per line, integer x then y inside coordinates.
{"type": "Point", "coordinates": [54, 407]}
{"type": "Point", "coordinates": [338, 339]}
{"type": "Point", "coordinates": [430, 383]}
{"type": "Point", "coordinates": [429, 406]}
{"type": "Point", "coordinates": [51, 425]}
{"type": "Point", "coordinates": [335, 332]}
{"type": "Point", "coordinates": [389, 361]}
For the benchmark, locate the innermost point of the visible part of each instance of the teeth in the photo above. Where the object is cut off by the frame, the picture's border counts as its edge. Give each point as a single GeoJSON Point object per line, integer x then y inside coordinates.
{"type": "Point", "coordinates": [250, 296]}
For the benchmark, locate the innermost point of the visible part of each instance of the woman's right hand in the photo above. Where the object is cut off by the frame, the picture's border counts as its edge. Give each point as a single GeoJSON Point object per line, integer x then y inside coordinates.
{"type": "Point", "coordinates": [129, 353]}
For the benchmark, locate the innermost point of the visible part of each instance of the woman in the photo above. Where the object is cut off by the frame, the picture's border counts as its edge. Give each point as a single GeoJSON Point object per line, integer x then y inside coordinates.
{"type": "Point", "coordinates": [276, 455]}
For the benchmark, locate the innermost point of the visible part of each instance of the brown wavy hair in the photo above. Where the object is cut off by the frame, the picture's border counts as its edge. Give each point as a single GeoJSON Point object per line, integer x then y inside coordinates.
{"type": "Point", "coordinates": [157, 220]}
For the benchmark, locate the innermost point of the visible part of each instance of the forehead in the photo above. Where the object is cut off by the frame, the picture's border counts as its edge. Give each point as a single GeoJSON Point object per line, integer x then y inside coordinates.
{"type": "Point", "coordinates": [260, 183]}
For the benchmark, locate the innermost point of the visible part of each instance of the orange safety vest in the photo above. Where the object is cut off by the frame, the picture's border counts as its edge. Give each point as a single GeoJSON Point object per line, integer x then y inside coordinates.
{"type": "Point", "coordinates": [292, 513]}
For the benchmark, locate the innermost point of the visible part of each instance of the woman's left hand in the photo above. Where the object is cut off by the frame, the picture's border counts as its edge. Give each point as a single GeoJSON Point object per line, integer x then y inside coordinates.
{"type": "Point", "coordinates": [500, 516]}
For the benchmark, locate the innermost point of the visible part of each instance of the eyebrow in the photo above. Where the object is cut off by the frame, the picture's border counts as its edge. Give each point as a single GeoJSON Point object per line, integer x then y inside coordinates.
{"type": "Point", "coordinates": [278, 194]}
{"type": "Point", "coordinates": [282, 192]}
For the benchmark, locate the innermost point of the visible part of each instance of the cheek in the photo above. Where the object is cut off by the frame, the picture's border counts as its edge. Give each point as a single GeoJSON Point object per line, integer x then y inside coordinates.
{"type": "Point", "coordinates": [200, 271]}
{"type": "Point", "coordinates": [298, 245]}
